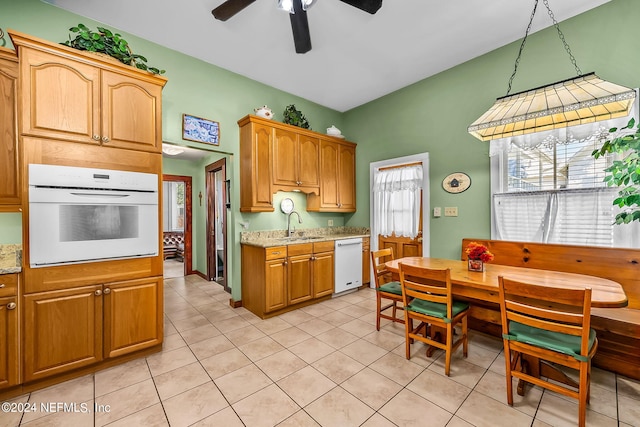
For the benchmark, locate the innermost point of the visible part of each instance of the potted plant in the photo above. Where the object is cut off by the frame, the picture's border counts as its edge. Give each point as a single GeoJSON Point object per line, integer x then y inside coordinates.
{"type": "Point", "coordinates": [477, 255]}
{"type": "Point", "coordinates": [108, 43]}
{"type": "Point", "coordinates": [624, 173]}
{"type": "Point", "coordinates": [292, 116]}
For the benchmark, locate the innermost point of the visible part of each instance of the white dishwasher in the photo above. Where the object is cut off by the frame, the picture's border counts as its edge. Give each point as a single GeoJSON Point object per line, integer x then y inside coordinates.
{"type": "Point", "coordinates": [348, 264]}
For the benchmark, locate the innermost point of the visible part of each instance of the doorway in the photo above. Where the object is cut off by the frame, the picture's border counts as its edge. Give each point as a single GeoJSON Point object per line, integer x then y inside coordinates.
{"type": "Point", "coordinates": [403, 246]}
{"type": "Point", "coordinates": [177, 219]}
{"type": "Point", "coordinates": [217, 204]}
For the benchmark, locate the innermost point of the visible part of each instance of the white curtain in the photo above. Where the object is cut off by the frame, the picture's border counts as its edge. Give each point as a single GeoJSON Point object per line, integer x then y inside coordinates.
{"type": "Point", "coordinates": [397, 196]}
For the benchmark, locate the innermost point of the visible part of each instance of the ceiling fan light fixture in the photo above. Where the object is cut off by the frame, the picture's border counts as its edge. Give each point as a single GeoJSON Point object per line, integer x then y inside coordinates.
{"type": "Point", "coordinates": [287, 5]}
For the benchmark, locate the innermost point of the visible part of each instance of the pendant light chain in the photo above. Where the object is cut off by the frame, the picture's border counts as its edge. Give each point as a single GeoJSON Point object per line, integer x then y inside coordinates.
{"type": "Point", "coordinates": [524, 40]}
{"type": "Point", "coordinates": [564, 42]}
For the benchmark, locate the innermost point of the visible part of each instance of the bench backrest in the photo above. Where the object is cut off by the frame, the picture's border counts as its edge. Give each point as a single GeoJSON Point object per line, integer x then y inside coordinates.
{"type": "Point", "coordinates": [617, 264]}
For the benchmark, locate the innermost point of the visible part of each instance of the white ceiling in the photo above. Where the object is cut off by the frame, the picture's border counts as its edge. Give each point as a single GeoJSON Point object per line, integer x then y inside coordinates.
{"type": "Point", "coordinates": [356, 57]}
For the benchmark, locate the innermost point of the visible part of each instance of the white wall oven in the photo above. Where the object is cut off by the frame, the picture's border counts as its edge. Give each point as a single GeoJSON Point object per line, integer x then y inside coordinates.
{"type": "Point", "coordinates": [84, 215]}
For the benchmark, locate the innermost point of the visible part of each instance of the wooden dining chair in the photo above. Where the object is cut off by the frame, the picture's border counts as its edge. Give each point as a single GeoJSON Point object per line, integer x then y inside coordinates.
{"type": "Point", "coordinates": [386, 288]}
{"type": "Point", "coordinates": [550, 324]}
{"type": "Point", "coordinates": [428, 299]}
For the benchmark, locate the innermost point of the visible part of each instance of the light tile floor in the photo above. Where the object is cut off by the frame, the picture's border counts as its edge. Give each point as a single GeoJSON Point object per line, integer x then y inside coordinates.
{"type": "Point", "coordinates": [321, 365]}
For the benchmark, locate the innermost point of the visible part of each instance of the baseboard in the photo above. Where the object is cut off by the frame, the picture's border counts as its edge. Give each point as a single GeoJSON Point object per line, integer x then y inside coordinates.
{"type": "Point", "coordinates": [235, 304]}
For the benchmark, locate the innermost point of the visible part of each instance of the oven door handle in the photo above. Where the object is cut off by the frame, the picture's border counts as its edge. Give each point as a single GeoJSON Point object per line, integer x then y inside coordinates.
{"type": "Point", "coordinates": [112, 196]}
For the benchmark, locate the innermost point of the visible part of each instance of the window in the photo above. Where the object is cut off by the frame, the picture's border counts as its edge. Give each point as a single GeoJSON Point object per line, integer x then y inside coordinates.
{"type": "Point", "coordinates": [546, 187]}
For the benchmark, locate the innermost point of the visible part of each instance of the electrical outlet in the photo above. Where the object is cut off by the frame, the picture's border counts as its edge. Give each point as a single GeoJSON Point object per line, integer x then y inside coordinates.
{"type": "Point", "coordinates": [330, 223]}
{"type": "Point", "coordinates": [437, 212]}
{"type": "Point", "coordinates": [451, 211]}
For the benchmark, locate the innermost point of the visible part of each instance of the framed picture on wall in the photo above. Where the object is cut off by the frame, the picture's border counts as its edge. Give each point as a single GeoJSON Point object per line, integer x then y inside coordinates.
{"type": "Point", "coordinates": [200, 130]}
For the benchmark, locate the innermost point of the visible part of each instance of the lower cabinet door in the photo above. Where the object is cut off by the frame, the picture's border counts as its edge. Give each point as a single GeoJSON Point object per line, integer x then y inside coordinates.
{"type": "Point", "coordinates": [275, 296]}
{"type": "Point", "coordinates": [299, 280]}
{"type": "Point", "coordinates": [9, 364]}
{"type": "Point", "coordinates": [132, 315]}
{"type": "Point", "coordinates": [62, 331]}
{"type": "Point", "coordinates": [323, 274]}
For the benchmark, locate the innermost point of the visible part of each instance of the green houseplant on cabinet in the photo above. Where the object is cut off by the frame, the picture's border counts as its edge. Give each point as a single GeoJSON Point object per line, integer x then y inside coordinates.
{"type": "Point", "coordinates": [292, 116]}
{"type": "Point", "coordinates": [624, 173]}
{"type": "Point", "coordinates": [106, 42]}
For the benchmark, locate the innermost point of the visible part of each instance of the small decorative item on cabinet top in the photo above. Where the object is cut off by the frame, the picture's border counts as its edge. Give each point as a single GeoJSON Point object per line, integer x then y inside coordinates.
{"type": "Point", "coordinates": [200, 130]}
{"type": "Point", "coordinates": [292, 116]}
{"type": "Point", "coordinates": [477, 255]}
{"type": "Point", "coordinates": [264, 112]}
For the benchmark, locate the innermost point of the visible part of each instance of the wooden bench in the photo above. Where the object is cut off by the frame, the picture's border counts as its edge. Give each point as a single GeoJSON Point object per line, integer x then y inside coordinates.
{"type": "Point", "coordinates": [618, 329]}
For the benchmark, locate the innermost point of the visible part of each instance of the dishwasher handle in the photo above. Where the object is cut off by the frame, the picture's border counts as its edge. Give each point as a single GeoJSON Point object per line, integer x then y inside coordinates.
{"type": "Point", "coordinates": [348, 243]}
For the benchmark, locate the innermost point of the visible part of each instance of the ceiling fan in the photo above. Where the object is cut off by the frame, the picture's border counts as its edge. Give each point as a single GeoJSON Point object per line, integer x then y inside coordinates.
{"type": "Point", "coordinates": [297, 13]}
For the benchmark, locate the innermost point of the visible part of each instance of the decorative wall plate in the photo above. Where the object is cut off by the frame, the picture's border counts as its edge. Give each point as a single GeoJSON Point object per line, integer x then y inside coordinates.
{"type": "Point", "coordinates": [456, 182]}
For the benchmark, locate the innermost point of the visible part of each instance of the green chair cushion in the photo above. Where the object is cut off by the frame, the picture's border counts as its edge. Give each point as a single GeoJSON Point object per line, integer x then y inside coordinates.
{"type": "Point", "coordinates": [555, 341]}
{"type": "Point", "coordinates": [436, 309]}
{"type": "Point", "coordinates": [391, 288]}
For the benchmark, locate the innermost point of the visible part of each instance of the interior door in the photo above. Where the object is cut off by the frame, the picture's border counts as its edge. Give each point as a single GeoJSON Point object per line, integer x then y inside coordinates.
{"type": "Point", "coordinates": [186, 220]}
{"type": "Point", "coordinates": [216, 188]}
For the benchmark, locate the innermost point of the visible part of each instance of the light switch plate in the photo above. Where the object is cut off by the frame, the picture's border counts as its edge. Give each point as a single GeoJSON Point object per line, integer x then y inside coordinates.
{"type": "Point", "coordinates": [451, 211]}
{"type": "Point", "coordinates": [437, 212]}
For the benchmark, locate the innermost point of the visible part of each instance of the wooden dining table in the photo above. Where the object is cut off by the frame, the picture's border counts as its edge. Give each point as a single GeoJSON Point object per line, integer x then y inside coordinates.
{"type": "Point", "coordinates": [483, 286]}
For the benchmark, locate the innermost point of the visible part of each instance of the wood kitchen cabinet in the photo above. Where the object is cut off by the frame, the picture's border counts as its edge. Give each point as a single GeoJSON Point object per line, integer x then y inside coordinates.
{"type": "Point", "coordinates": [64, 331]}
{"type": "Point", "coordinates": [366, 261]}
{"type": "Point", "coordinates": [9, 166]}
{"type": "Point", "coordinates": [9, 344]}
{"type": "Point", "coordinates": [137, 303]}
{"type": "Point", "coordinates": [256, 140]}
{"type": "Point", "coordinates": [282, 278]}
{"type": "Point", "coordinates": [77, 327]}
{"type": "Point", "coordinates": [296, 160]}
{"type": "Point", "coordinates": [279, 157]}
{"type": "Point", "coordinates": [76, 96]}
{"type": "Point", "coordinates": [337, 178]}
{"type": "Point", "coordinates": [323, 269]}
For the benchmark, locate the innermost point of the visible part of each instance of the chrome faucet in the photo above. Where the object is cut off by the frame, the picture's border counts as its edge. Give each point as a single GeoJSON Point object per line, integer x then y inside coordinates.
{"type": "Point", "coordinates": [289, 222]}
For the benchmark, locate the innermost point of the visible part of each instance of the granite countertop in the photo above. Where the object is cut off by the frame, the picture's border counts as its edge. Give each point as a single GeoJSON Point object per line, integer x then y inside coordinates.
{"type": "Point", "coordinates": [10, 258]}
{"type": "Point", "coordinates": [271, 238]}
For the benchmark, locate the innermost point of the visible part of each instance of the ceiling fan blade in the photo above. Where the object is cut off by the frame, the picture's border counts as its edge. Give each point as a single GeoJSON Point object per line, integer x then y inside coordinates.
{"type": "Point", "coordinates": [300, 28]}
{"type": "Point", "coordinates": [229, 8]}
{"type": "Point", "coordinates": [370, 6]}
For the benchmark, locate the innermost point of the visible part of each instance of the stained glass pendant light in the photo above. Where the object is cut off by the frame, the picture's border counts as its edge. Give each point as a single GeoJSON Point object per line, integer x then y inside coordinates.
{"type": "Point", "coordinates": [583, 99]}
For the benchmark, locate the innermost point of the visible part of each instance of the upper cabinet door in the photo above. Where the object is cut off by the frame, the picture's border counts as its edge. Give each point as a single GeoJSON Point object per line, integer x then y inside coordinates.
{"type": "Point", "coordinates": [9, 176]}
{"type": "Point", "coordinates": [285, 158]}
{"type": "Point", "coordinates": [309, 161]}
{"type": "Point", "coordinates": [347, 178]}
{"type": "Point", "coordinates": [60, 97]}
{"type": "Point", "coordinates": [131, 113]}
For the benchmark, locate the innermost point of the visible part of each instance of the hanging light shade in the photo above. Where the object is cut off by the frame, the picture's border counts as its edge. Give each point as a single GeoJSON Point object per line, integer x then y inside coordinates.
{"type": "Point", "coordinates": [576, 101]}
{"type": "Point", "coordinates": [580, 100]}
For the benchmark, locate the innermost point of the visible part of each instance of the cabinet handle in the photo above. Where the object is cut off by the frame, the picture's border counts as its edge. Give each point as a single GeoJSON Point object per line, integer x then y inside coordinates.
{"type": "Point", "coordinates": [96, 137]}
{"type": "Point", "coordinates": [105, 139]}
{"type": "Point", "coordinates": [98, 292]}
{"type": "Point", "coordinates": [275, 253]}
{"type": "Point", "coordinates": [107, 291]}
{"type": "Point", "coordinates": [2, 285]}
{"type": "Point", "coordinates": [11, 306]}
{"type": "Point", "coordinates": [285, 262]}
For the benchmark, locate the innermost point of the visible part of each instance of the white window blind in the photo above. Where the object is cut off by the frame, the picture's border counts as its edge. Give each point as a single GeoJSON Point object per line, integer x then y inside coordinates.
{"type": "Point", "coordinates": [548, 188]}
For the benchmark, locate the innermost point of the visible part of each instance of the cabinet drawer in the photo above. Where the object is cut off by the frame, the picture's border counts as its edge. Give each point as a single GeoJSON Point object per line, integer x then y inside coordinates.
{"type": "Point", "coordinates": [300, 249]}
{"type": "Point", "coordinates": [327, 246]}
{"type": "Point", "coordinates": [8, 284]}
{"type": "Point", "coordinates": [275, 252]}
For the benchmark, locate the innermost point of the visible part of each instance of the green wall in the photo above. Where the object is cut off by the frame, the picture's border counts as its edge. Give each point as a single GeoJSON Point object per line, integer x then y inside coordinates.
{"type": "Point", "coordinates": [429, 116]}
{"type": "Point", "coordinates": [433, 114]}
